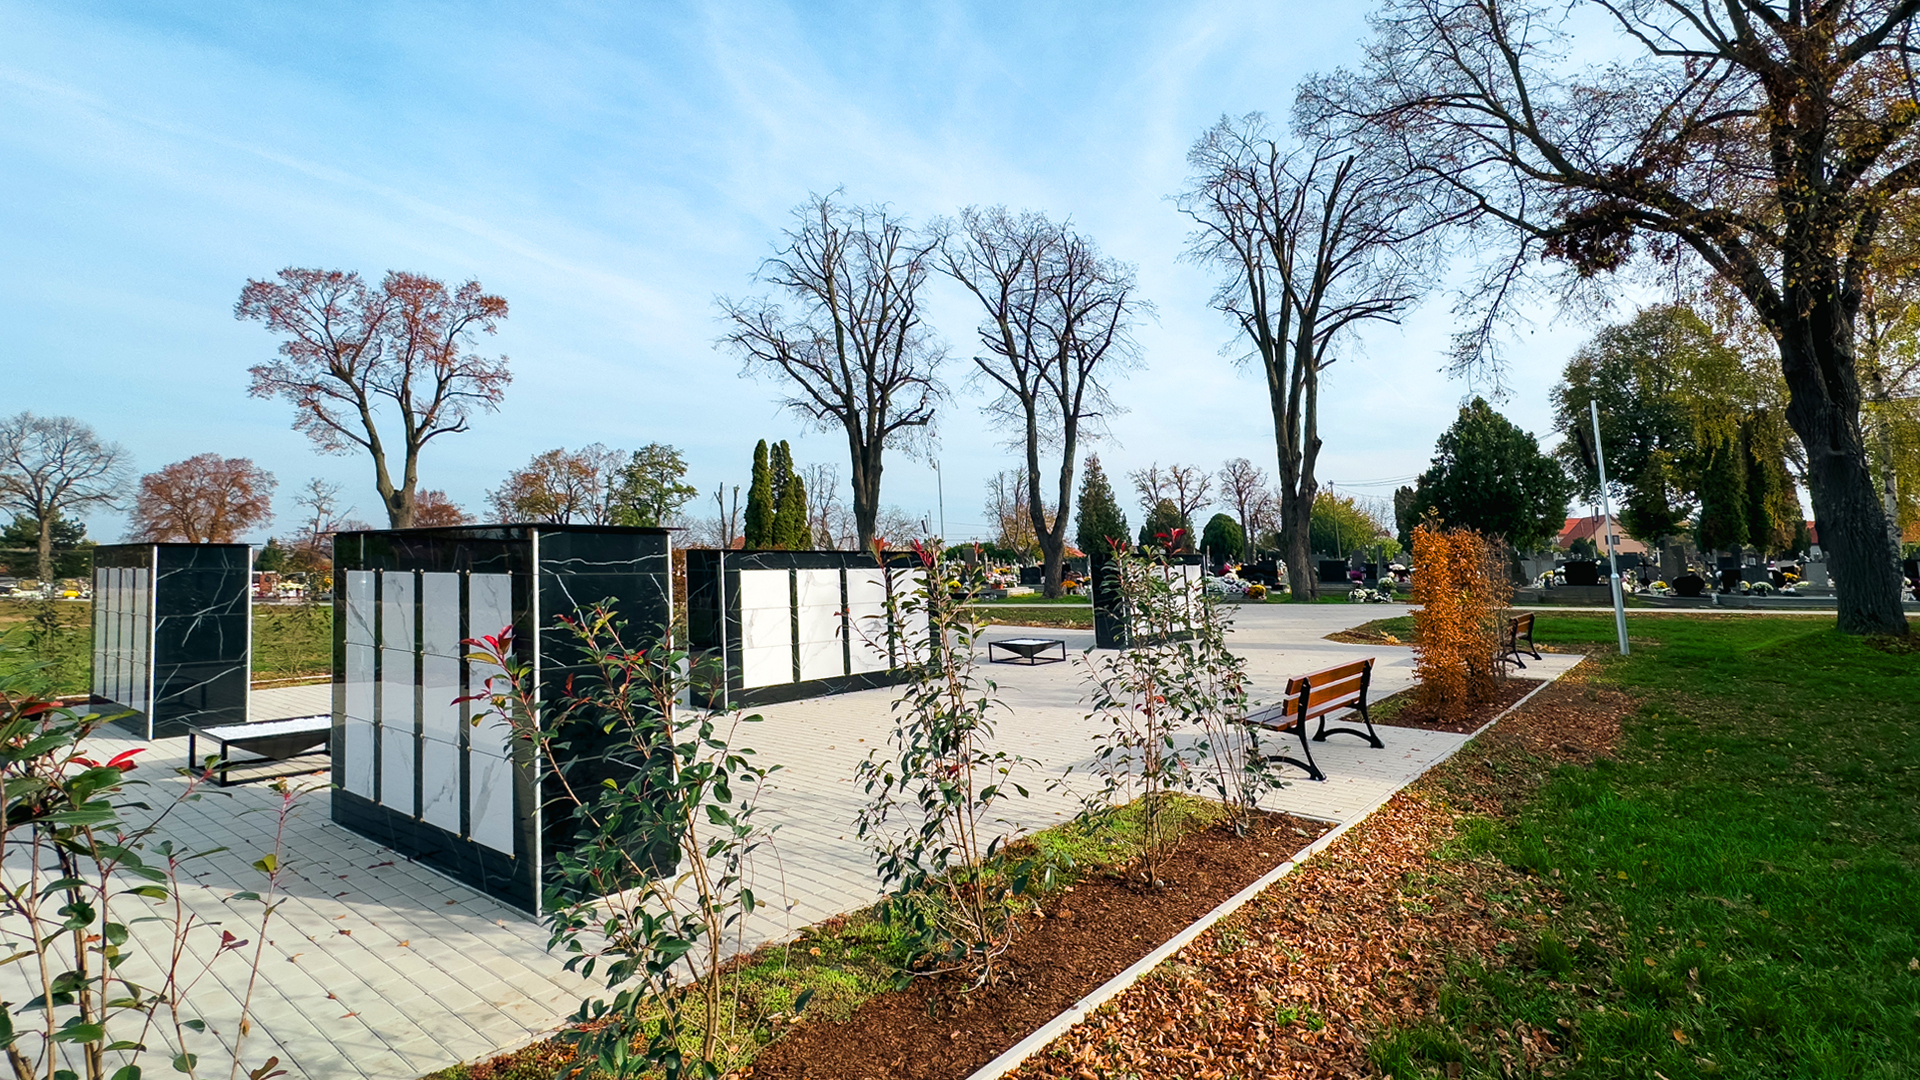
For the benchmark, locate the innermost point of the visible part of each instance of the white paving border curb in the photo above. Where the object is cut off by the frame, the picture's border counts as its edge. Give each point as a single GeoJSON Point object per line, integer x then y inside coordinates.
{"type": "Point", "coordinates": [1018, 1053]}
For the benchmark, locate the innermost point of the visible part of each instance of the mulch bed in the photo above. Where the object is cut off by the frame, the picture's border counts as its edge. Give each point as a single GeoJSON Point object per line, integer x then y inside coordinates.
{"type": "Point", "coordinates": [1406, 709]}
{"type": "Point", "coordinates": [932, 1030]}
{"type": "Point", "coordinates": [1298, 982]}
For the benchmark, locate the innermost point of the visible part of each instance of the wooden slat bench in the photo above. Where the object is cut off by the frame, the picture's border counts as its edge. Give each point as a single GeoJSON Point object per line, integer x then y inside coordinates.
{"type": "Point", "coordinates": [1314, 697]}
{"type": "Point", "coordinates": [1519, 626]}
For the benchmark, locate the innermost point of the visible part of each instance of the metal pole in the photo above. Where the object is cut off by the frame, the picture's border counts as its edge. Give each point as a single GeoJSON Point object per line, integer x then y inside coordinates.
{"type": "Point", "coordinates": [940, 492]}
{"type": "Point", "coordinates": [1606, 510]}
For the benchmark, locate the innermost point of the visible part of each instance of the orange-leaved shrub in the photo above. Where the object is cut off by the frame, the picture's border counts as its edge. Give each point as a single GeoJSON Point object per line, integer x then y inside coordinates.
{"type": "Point", "coordinates": [1460, 583]}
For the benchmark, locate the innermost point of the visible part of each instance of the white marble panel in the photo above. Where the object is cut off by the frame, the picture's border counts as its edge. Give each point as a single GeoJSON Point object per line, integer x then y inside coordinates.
{"type": "Point", "coordinates": [397, 749]}
{"type": "Point", "coordinates": [489, 605]}
{"type": "Point", "coordinates": [766, 666]}
{"type": "Point", "coordinates": [492, 735]}
{"type": "Point", "coordinates": [440, 783]}
{"type": "Point", "coordinates": [440, 614]}
{"type": "Point", "coordinates": [396, 610]}
{"type": "Point", "coordinates": [122, 637]}
{"type": "Point", "coordinates": [439, 686]}
{"type": "Point", "coordinates": [97, 685]}
{"type": "Point", "coordinates": [490, 809]}
{"type": "Point", "coordinates": [397, 694]}
{"type": "Point", "coordinates": [358, 735]}
{"type": "Point", "coordinates": [142, 651]}
{"type": "Point", "coordinates": [359, 683]}
{"type": "Point", "coordinates": [768, 628]}
{"type": "Point", "coordinates": [822, 651]}
{"type": "Point", "coordinates": [867, 619]}
{"type": "Point", "coordinates": [912, 614]}
{"type": "Point", "coordinates": [359, 596]}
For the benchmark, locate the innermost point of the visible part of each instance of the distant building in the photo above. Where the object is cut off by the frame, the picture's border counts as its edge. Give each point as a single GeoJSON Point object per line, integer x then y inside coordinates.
{"type": "Point", "coordinates": [1592, 528]}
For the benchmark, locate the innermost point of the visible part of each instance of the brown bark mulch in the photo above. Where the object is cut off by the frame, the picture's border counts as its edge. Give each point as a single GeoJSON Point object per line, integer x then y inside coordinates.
{"type": "Point", "coordinates": [1299, 981]}
{"type": "Point", "coordinates": [1408, 709]}
{"type": "Point", "coordinates": [934, 1030]}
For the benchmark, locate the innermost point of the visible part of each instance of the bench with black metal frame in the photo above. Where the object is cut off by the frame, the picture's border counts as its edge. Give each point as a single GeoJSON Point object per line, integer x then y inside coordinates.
{"type": "Point", "coordinates": [1510, 651]}
{"type": "Point", "coordinates": [1027, 651]}
{"type": "Point", "coordinates": [1315, 697]}
{"type": "Point", "coordinates": [269, 741]}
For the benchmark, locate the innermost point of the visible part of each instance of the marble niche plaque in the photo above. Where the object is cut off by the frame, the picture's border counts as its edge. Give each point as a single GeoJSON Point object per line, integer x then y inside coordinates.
{"type": "Point", "coordinates": [784, 625]}
{"type": "Point", "coordinates": [172, 635]}
{"type": "Point", "coordinates": [434, 777]}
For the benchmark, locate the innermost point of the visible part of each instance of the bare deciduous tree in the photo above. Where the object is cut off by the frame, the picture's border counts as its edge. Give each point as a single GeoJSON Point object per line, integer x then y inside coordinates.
{"type": "Point", "coordinates": [206, 499]}
{"type": "Point", "coordinates": [856, 348]}
{"type": "Point", "coordinates": [1059, 323]}
{"type": "Point", "coordinates": [54, 464]}
{"type": "Point", "coordinates": [1309, 241]}
{"type": "Point", "coordinates": [827, 515]}
{"type": "Point", "coordinates": [1769, 145]}
{"type": "Point", "coordinates": [1244, 486]}
{"type": "Point", "coordinates": [1188, 487]}
{"type": "Point", "coordinates": [349, 352]}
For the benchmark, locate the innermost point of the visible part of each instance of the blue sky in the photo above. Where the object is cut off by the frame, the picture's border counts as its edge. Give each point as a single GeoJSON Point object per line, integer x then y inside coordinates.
{"type": "Point", "coordinates": [611, 169]}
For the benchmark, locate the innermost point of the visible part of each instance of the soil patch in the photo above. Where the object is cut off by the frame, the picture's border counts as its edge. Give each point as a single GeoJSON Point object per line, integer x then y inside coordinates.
{"type": "Point", "coordinates": [1302, 980]}
{"type": "Point", "coordinates": [1092, 931]}
{"type": "Point", "coordinates": [1406, 709]}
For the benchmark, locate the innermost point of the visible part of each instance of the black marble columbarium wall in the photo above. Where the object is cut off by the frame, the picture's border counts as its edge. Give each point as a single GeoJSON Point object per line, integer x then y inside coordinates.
{"type": "Point", "coordinates": [786, 625]}
{"type": "Point", "coordinates": [172, 635]}
{"type": "Point", "coordinates": [412, 771]}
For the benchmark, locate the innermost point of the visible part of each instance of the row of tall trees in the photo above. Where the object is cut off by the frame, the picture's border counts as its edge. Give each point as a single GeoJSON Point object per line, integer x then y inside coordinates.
{"type": "Point", "coordinates": [845, 329]}
{"type": "Point", "coordinates": [1764, 153]}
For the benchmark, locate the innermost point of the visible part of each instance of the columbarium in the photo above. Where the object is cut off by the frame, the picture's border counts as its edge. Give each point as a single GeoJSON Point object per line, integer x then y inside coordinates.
{"type": "Point", "coordinates": [784, 625]}
{"type": "Point", "coordinates": [172, 635]}
{"type": "Point", "coordinates": [413, 769]}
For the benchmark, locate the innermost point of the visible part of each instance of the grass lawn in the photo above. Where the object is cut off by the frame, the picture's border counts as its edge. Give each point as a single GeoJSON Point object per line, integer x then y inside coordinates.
{"type": "Point", "coordinates": [1738, 889]}
{"type": "Point", "coordinates": [1036, 598]}
{"type": "Point", "coordinates": [289, 641]}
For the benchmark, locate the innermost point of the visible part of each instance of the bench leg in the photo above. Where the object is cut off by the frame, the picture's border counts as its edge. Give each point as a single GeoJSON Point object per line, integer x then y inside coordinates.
{"type": "Point", "coordinates": [1313, 770]}
{"type": "Point", "coordinates": [1372, 736]}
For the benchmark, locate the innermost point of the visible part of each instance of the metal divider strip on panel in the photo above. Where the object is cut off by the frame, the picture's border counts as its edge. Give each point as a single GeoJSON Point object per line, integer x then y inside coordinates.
{"type": "Point", "coordinates": [793, 617]}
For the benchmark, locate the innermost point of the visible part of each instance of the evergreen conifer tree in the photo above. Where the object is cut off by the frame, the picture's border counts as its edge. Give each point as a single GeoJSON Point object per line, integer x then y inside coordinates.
{"type": "Point", "coordinates": [1101, 519]}
{"type": "Point", "coordinates": [1165, 521]}
{"type": "Point", "coordinates": [758, 527]}
{"type": "Point", "coordinates": [790, 530]}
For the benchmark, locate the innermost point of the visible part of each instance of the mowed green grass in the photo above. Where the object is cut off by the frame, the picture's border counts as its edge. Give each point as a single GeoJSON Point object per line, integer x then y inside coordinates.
{"type": "Point", "coordinates": [289, 641]}
{"type": "Point", "coordinates": [1742, 886]}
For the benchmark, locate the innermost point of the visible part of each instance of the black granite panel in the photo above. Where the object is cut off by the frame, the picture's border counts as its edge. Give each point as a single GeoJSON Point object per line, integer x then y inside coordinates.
{"type": "Point", "coordinates": [553, 570]}
{"type": "Point", "coordinates": [197, 650]}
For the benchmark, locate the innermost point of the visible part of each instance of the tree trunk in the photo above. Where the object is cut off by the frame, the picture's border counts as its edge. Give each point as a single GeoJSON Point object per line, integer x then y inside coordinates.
{"type": "Point", "coordinates": [1824, 408]}
{"type": "Point", "coordinates": [866, 490]}
{"type": "Point", "coordinates": [1296, 540]}
{"type": "Point", "coordinates": [46, 545]}
{"type": "Point", "coordinates": [1052, 536]}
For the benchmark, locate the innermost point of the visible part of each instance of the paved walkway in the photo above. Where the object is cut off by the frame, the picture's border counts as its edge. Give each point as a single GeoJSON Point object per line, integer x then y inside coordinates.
{"type": "Point", "coordinates": [377, 967]}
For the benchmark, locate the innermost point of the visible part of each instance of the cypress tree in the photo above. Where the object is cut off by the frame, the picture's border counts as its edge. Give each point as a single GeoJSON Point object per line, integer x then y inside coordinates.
{"type": "Point", "coordinates": [758, 528]}
{"type": "Point", "coordinates": [1101, 519]}
{"type": "Point", "coordinates": [790, 529]}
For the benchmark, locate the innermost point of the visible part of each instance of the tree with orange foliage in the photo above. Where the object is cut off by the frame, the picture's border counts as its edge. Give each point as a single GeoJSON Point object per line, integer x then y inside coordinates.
{"type": "Point", "coordinates": [560, 486]}
{"type": "Point", "coordinates": [206, 499]}
{"type": "Point", "coordinates": [349, 352]}
{"type": "Point", "coordinates": [1460, 583]}
{"type": "Point", "coordinates": [435, 508]}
